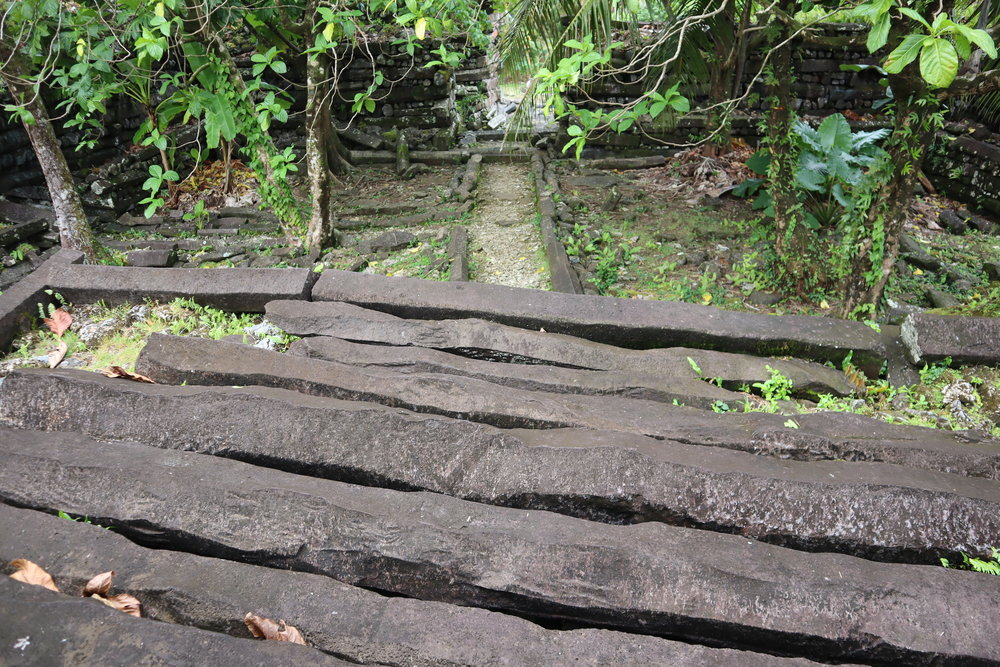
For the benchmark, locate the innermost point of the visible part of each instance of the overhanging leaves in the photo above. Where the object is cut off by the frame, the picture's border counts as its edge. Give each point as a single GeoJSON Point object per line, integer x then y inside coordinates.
{"type": "Point", "coordinates": [938, 62]}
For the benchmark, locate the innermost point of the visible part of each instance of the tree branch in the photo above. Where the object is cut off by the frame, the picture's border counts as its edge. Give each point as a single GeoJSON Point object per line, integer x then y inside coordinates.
{"type": "Point", "coordinates": [976, 84]}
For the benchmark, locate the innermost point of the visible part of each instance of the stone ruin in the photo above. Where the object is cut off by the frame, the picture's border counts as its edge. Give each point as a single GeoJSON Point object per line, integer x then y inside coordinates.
{"type": "Point", "coordinates": [457, 473]}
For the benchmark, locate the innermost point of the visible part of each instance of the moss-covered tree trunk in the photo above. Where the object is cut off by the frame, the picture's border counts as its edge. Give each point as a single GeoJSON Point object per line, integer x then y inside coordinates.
{"type": "Point", "coordinates": [74, 230]}
{"type": "Point", "coordinates": [790, 234]}
{"type": "Point", "coordinates": [321, 222]}
{"type": "Point", "coordinates": [877, 225]}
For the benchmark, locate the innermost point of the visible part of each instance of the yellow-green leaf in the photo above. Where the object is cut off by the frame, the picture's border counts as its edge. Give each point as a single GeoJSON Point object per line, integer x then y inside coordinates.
{"type": "Point", "coordinates": [420, 27]}
{"type": "Point", "coordinates": [938, 63]}
{"type": "Point", "coordinates": [328, 31]}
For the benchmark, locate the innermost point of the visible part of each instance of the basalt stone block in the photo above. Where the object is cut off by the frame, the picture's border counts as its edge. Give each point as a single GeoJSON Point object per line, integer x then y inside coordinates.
{"type": "Point", "coordinates": [13, 274]}
{"type": "Point", "coordinates": [233, 290]}
{"type": "Point", "coordinates": [14, 213]}
{"type": "Point", "coordinates": [19, 303]}
{"type": "Point", "coordinates": [532, 377]}
{"type": "Point", "coordinates": [153, 244]}
{"type": "Point", "coordinates": [458, 253]}
{"type": "Point", "coordinates": [486, 340]}
{"type": "Point", "coordinates": [130, 220]}
{"type": "Point", "coordinates": [819, 436]}
{"type": "Point", "coordinates": [350, 622]}
{"type": "Point", "coordinates": [966, 340]}
{"type": "Point", "coordinates": [992, 270]}
{"type": "Point", "coordinates": [388, 242]}
{"type": "Point", "coordinates": [695, 585]}
{"type": "Point", "coordinates": [912, 515]}
{"type": "Point", "coordinates": [626, 322]}
{"type": "Point", "coordinates": [10, 236]}
{"type": "Point", "coordinates": [42, 627]}
{"type": "Point", "coordinates": [150, 258]}
{"type": "Point", "coordinates": [232, 222]}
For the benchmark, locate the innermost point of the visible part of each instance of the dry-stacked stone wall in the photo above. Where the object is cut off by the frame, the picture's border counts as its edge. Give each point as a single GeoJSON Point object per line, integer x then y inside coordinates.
{"type": "Point", "coordinates": [965, 164]}
{"type": "Point", "coordinates": [111, 173]}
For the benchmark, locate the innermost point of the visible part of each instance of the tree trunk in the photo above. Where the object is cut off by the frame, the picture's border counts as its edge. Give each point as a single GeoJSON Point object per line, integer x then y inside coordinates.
{"type": "Point", "coordinates": [720, 83]}
{"type": "Point", "coordinates": [790, 234]}
{"type": "Point", "coordinates": [318, 131]}
{"type": "Point", "coordinates": [74, 230]}
{"type": "Point", "coordinates": [881, 224]}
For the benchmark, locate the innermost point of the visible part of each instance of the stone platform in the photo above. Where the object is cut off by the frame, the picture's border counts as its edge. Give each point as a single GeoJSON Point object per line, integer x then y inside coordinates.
{"type": "Point", "coordinates": [456, 474]}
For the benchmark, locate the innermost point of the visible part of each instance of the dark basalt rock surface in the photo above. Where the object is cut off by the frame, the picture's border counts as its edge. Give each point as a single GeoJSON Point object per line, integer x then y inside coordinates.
{"type": "Point", "coordinates": [696, 585]}
{"type": "Point", "coordinates": [531, 377]}
{"type": "Point", "coordinates": [486, 340]}
{"type": "Point", "coordinates": [233, 290]}
{"type": "Point", "coordinates": [345, 621]}
{"type": "Point", "coordinates": [821, 435]}
{"type": "Point", "coordinates": [879, 511]}
{"type": "Point", "coordinates": [965, 340]}
{"type": "Point", "coordinates": [42, 627]}
{"type": "Point", "coordinates": [626, 322]}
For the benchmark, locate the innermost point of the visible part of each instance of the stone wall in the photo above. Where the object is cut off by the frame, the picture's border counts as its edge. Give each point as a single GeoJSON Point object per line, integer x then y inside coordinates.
{"type": "Point", "coordinates": [819, 88]}
{"type": "Point", "coordinates": [425, 101]}
{"type": "Point", "coordinates": [965, 165]}
{"type": "Point", "coordinates": [111, 159]}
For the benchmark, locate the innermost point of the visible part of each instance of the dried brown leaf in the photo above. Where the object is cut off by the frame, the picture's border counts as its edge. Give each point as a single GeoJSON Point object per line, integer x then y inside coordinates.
{"type": "Point", "coordinates": [119, 372]}
{"type": "Point", "coordinates": [59, 321]}
{"type": "Point", "coordinates": [99, 585]}
{"type": "Point", "coordinates": [261, 626]}
{"type": "Point", "coordinates": [122, 602]}
{"type": "Point", "coordinates": [30, 573]}
{"type": "Point", "coordinates": [57, 355]}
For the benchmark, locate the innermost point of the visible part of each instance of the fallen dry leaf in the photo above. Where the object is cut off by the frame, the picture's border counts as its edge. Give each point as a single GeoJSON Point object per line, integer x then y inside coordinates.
{"type": "Point", "coordinates": [30, 573]}
{"type": "Point", "coordinates": [122, 602]}
{"type": "Point", "coordinates": [99, 585]}
{"type": "Point", "coordinates": [57, 355]}
{"type": "Point", "coordinates": [58, 322]}
{"type": "Point", "coordinates": [261, 626]}
{"type": "Point", "coordinates": [119, 372]}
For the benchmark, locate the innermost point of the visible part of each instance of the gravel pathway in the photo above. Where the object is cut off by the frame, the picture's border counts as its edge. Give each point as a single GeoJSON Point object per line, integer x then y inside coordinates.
{"type": "Point", "coordinates": [504, 241]}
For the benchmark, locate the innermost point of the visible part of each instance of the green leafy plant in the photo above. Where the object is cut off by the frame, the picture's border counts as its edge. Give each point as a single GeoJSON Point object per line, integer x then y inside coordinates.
{"type": "Point", "coordinates": [198, 215]}
{"type": "Point", "coordinates": [938, 50]}
{"type": "Point", "coordinates": [987, 566]}
{"type": "Point", "coordinates": [831, 165]}
{"type": "Point", "coordinates": [80, 519]}
{"type": "Point", "coordinates": [157, 177]}
{"type": "Point", "coordinates": [21, 251]}
{"type": "Point", "coordinates": [776, 388]}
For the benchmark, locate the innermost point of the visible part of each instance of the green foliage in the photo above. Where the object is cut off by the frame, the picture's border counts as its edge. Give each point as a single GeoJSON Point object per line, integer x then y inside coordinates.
{"type": "Point", "coordinates": [985, 565]}
{"type": "Point", "coordinates": [930, 374]}
{"type": "Point", "coordinates": [198, 215]}
{"type": "Point", "coordinates": [776, 388]}
{"type": "Point", "coordinates": [938, 46]}
{"type": "Point", "coordinates": [21, 251]}
{"type": "Point", "coordinates": [209, 322]}
{"type": "Point", "coordinates": [831, 165]}
{"type": "Point", "coordinates": [153, 184]}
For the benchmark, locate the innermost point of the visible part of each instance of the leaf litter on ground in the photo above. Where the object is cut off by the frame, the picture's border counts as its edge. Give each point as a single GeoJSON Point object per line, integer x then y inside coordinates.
{"type": "Point", "coordinates": [261, 626]}
{"type": "Point", "coordinates": [97, 588]}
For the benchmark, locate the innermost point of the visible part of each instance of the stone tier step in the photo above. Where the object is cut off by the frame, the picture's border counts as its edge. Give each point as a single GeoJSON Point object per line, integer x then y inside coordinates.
{"type": "Point", "coordinates": [601, 476]}
{"type": "Point", "coordinates": [819, 436]}
{"type": "Point", "coordinates": [694, 585]}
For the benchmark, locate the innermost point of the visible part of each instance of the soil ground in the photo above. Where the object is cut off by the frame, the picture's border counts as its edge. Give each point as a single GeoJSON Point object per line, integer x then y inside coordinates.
{"type": "Point", "coordinates": [505, 245]}
{"type": "Point", "coordinates": [671, 243]}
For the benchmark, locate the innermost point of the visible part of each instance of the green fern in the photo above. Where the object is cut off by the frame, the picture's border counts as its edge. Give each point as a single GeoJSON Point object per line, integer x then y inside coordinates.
{"type": "Point", "coordinates": [989, 566]}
